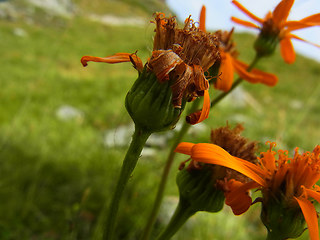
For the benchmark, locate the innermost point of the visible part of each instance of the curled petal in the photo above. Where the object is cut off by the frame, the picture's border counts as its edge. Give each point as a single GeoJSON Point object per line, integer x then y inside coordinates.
{"type": "Point", "coordinates": [287, 51]}
{"type": "Point", "coordinates": [281, 12]}
{"type": "Point", "coordinates": [255, 75]}
{"type": "Point", "coordinates": [183, 74]}
{"type": "Point", "coordinates": [201, 83]}
{"type": "Point", "coordinates": [237, 195]}
{"type": "Point", "coordinates": [184, 148]}
{"type": "Point", "coordinates": [116, 58]}
{"type": "Point", "coordinates": [244, 23]}
{"type": "Point", "coordinates": [199, 116]}
{"type": "Point", "coordinates": [162, 62]}
{"type": "Point", "coordinates": [247, 12]}
{"type": "Point", "coordinates": [193, 117]}
{"type": "Point", "coordinates": [213, 154]}
{"type": "Point", "coordinates": [202, 21]}
{"type": "Point", "coordinates": [310, 214]}
{"type": "Point", "coordinates": [226, 72]}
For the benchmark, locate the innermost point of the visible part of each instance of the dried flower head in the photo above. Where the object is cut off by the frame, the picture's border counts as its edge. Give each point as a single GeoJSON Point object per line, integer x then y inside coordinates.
{"type": "Point", "coordinates": [180, 56]}
{"type": "Point", "coordinates": [183, 55]}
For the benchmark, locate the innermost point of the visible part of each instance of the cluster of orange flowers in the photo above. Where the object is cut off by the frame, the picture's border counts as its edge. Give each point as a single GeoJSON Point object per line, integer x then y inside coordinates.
{"type": "Point", "coordinates": [186, 56]}
{"type": "Point", "coordinates": [290, 182]}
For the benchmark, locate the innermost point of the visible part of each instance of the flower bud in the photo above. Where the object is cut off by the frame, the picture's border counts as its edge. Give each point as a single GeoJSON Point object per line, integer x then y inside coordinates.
{"type": "Point", "coordinates": [265, 45]}
{"type": "Point", "coordinates": [282, 219]}
{"type": "Point", "coordinates": [198, 188]}
{"type": "Point", "coordinates": [149, 103]}
{"type": "Point", "coordinates": [268, 39]}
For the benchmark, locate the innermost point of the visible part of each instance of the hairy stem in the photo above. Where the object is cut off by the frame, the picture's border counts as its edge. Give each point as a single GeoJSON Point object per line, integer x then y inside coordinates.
{"type": "Point", "coordinates": [182, 213]}
{"type": "Point", "coordinates": [139, 139]}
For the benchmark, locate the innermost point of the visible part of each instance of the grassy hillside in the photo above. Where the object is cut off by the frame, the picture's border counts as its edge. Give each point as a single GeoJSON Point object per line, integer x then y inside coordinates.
{"type": "Point", "coordinates": [56, 170]}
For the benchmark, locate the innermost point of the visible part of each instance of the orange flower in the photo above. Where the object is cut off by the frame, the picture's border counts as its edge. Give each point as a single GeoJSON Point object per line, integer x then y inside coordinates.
{"type": "Point", "coordinates": [275, 27]}
{"type": "Point", "coordinates": [230, 64]}
{"type": "Point", "coordinates": [289, 180]}
{"type": "Point", "coordinates": [180, 56]}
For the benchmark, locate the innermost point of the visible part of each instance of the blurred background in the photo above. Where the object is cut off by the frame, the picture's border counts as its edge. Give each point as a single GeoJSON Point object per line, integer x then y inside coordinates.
{"type": "Point", "coordinates": [64, 129]}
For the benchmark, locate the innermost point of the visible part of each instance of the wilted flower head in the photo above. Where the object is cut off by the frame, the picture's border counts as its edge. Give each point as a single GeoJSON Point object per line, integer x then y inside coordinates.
{"type": "Point", "coordinates": [286, 184]}
{"type": "Point", "coordinates": [183, 55]}
{"type": "Point", "coordinates": [275, 28]}
{"type": "Point", "coordinates": [180, 57]}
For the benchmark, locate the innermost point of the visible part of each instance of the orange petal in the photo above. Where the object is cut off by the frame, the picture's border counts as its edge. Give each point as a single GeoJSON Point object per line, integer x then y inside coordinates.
{"type": "Point", "coordinates": [255, 75]}
{"type": "Point", "coordinates": [315, 195]}
{"type": "Point", "coordinates": [287, 50]}
{"type": "Point", "coordinates": [202, 21]}
{"type": "Point", "coordinates": [303, 40]}
{"type": "Point", "coordinates": [213, 154]}
{"type": "Point", "coordinates": [244, 23]}
{"type": "Point", "coordinates": [237, 196]}
{"type": "Point", "coordinates": [313, 19]}
{"type": "Point", "coordinates": [199, 116]}
{"type": "Point", "coordinates": [310, 214]}
{"type": "Point", "coordinates": [205, 107]}
{"type": "Point", "coordinates": [226, 72]}
{"type": "Point", "coordinates": [253, 167]}
{"type": "Point", "coordinates": [281, 12]}
{"type": "Point", "coordinates": [116, 58]}
{"type": "Point", "coordinates": [247, 12]}
{"type": "Point", "coordinates": [296, 25]}
{"type": "Point", "coordinates": [184, 148]}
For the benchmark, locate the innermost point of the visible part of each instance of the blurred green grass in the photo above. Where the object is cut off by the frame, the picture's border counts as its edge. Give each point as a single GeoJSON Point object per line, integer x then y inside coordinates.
{"type": "Point", "coordinates": [56, 175]}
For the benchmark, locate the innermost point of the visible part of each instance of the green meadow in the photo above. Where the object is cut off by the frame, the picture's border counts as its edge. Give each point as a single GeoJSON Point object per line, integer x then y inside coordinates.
{"type": "Point", "coordinates": [57, 173]}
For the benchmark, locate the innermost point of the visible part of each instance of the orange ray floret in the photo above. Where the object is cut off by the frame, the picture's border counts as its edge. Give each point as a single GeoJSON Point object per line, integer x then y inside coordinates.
{"type": "Point", "coordinates": [275, 24]}
{"type": "Point", "coordinates": [202, 22]}
{"type": "Point", "coordinates": [116, 58]}
{"type": "Point", "coordinates": [213, 154]}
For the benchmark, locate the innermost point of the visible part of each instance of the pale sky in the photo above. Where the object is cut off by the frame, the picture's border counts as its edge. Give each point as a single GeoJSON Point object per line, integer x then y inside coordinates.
{"type": "Point", "coordinates": [220, 11]}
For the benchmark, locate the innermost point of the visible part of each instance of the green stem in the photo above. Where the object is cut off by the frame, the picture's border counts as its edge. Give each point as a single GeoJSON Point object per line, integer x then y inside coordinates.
{"type": "Point", "coordinates": [171, 156]}
{"type": "Point", "coordinates": [139, 139]}
{"type": "Point", "coordinates": [182, 213]}
{"type": "Point", "coordinates": [156, 206]}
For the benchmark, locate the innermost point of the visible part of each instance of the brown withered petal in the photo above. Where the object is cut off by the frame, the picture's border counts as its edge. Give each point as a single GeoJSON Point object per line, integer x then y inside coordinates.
{"type": "Point", "coordinates": [182, 55]}
{"type": "Point", "coordinates": [192, 118]}
{"type": "Point", "coordinates": [163, 62]}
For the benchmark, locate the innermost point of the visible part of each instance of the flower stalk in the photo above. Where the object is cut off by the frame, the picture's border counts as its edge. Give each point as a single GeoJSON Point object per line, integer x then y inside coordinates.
{"type": "Point", "coordinates": [139, 139]}
{"type": "Point", "coordinates": [165, 174]}
{"type": "Point", "coordinates": [182, 213]}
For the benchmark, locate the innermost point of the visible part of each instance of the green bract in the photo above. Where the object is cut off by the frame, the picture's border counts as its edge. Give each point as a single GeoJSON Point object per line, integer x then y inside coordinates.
{"type": "Point", "coordinates": [149, 103]}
